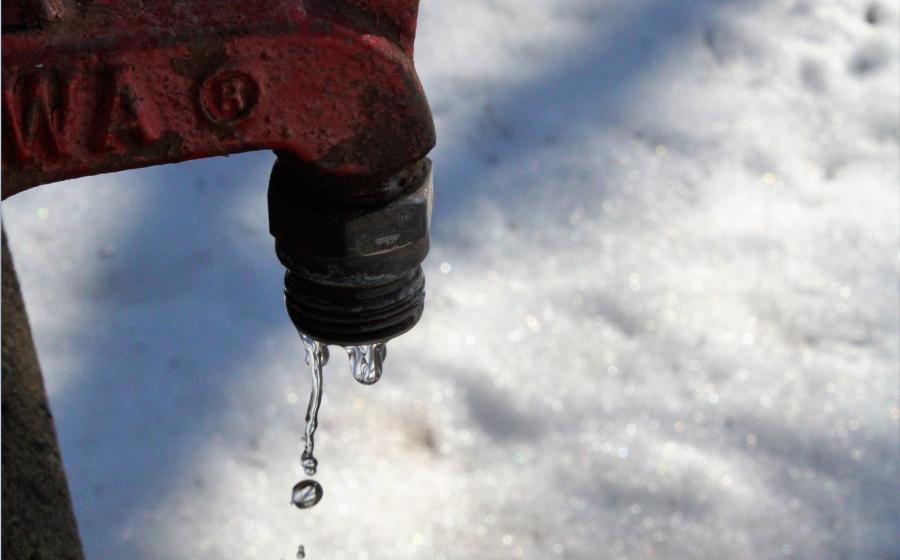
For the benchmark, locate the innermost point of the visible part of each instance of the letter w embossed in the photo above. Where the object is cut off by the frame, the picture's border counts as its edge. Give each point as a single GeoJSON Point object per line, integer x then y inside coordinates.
{"type": "Point", "coordinates": [38, 116]}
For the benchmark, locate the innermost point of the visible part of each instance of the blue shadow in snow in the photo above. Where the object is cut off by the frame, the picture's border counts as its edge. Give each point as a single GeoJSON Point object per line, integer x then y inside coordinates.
{"type": "Point", "coordinates": [178, 306]}
{"type": "Point", "coordinates": [588, 88]}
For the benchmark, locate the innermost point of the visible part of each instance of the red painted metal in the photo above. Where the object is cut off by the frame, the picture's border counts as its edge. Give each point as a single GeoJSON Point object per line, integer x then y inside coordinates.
{"type": "Point", "coordinates": [93, 86]}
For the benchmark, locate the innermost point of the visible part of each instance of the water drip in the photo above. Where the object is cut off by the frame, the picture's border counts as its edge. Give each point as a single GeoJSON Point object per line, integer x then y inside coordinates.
{"type": "Point", "coordinates": [367, 361]}
{"type": "Point", "coordinates": [306, 493]}
{"type": "Point", "coordinates": [316, 357]}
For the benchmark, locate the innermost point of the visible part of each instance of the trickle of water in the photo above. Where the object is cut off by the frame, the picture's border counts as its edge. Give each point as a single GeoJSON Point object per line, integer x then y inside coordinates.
{"type": "Point", "coordinates": [316, 356]}
{"type": "Point", "coordinates": [301, 552]}
{"type": "Point", "coordinates": [306, 493]}
{"type": "Point", "coordinates": [366, 362]}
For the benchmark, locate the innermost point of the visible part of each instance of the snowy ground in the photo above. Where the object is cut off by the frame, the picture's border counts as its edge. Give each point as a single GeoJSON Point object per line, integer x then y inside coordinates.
{"type": "Point", "coordinates": [662, 317]}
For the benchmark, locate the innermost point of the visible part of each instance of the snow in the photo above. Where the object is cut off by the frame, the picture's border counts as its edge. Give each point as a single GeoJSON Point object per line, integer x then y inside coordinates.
{"type": "Point", "coordinates": [662, 316]}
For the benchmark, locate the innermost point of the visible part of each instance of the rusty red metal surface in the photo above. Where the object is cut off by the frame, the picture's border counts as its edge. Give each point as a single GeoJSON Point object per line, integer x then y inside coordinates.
{"type": "Point", "coordinates": [104, 85]}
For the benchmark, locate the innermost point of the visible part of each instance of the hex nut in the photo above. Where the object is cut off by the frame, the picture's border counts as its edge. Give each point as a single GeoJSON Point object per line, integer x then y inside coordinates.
{"type": "Point", "coordinates": [355, 243]}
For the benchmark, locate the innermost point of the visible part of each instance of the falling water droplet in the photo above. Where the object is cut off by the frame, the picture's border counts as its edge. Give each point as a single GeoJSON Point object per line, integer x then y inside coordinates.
{"type": "Point", "coordinates": [317, 355]}
{"type": "Point", "coordinates": [301, 552]}
{"type": "Point", "coordinates": [367, 361]}
{"type": "Point", "coordinates": [306, 493]}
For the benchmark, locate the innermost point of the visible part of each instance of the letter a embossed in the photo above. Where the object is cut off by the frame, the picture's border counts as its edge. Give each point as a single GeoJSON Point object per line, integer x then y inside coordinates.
{"type": "Point", "coordinates": [125, 115]}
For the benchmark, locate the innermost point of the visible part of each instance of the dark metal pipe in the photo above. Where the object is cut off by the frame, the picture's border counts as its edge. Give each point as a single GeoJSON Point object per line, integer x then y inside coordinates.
{"type": "Point", "coordinates": [352, 248]}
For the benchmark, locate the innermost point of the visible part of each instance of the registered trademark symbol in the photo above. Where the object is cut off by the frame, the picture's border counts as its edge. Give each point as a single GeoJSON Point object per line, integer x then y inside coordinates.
{"type": "Point", "coordinates": [229, 96]}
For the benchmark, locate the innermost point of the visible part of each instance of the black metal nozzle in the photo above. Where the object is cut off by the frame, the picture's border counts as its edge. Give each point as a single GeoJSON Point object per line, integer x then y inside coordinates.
{"type": "Point", "coordinates": [353, 249]}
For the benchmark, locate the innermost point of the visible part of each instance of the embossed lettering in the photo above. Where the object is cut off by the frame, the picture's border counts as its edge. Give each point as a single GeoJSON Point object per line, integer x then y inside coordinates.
{"type": "Point", "coordinates": [125, 114]}
{"type": "Point", "coordinates": [37, 115]}
{"type": "Point", "coordinates": [228, 97]}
